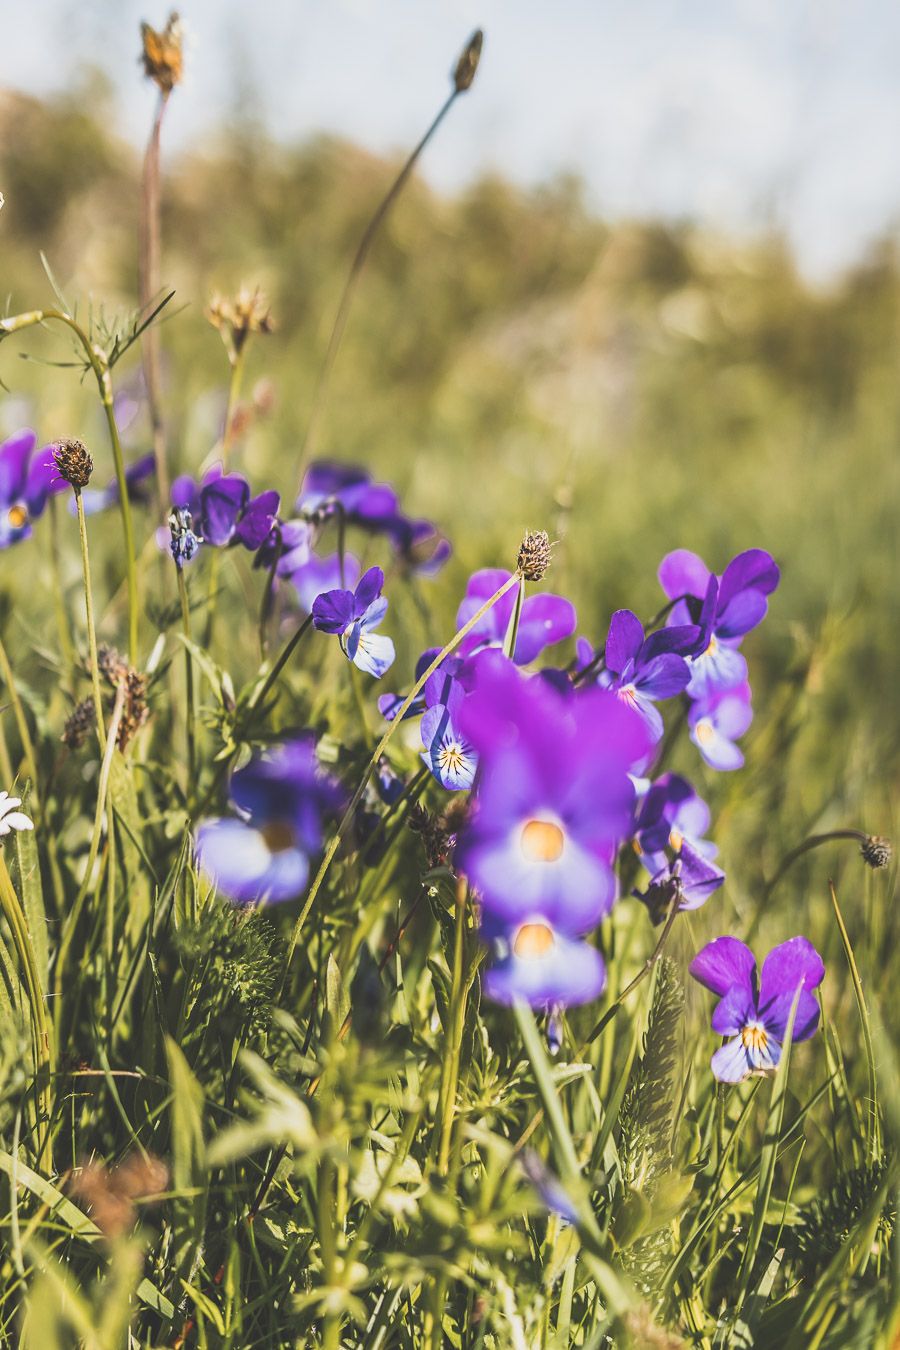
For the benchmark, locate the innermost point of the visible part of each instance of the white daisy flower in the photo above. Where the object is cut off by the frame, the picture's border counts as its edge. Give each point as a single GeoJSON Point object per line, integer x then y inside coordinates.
{"type": "Point", "coordinates": [10, 818]}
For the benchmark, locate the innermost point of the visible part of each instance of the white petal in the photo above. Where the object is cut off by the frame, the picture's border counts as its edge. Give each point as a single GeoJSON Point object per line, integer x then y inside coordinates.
{"type": "Point", "coordinates": [18, 820]}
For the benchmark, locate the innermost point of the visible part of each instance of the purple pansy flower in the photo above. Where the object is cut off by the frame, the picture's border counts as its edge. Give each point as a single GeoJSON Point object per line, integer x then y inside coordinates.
{"type": "Point", "coordinates": [755, 1011]}
{"type": "Point", "coordinates": [329, 487]}
{"type": "Point", "coordinates": [542, 966]}
{"type": "Point", "coordinates": [554, 798]}
{"type": "Point", "coordinates": [137, 476]}
{"type": "Point", "coordinates": [545, 618]}
{"type": "Point", "coordinates": [726, 607]}
{"type": "Point", "coordinates": [690, 878]}
{"type": "Point", "coordinates": [354, 616]}
{"type": "Point", "coordinates": [287, 548]}
{"type": "Point", "coordinates": [640, 670]}
{"type": "Point", "coordinates": [670, 815]}
{"type": "Point", "coordinates": [717, 721]}
{"type": "Point", "coordinates": [26, 481]}
{"type": "Point", "coordinates": [419, 545]}
{"type": "Point", "coordinates": [448, 753]}
{"type": "Point", "coordinates": [220, 510]}
{"type": "Point", "coordinates": [263, 855]}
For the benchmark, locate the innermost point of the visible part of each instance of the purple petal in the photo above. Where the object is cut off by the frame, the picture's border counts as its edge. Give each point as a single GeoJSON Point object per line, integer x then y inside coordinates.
{"type": "Point", "coordinates": [368, 589]}
{"type": "Point", "coordinates": [623, 641]}
{"type": "Point", "coordinates": [318, 575]}
{"type": "Point", "coordinates": [755, 569]}
{"type": "Point", "coordinates": [683, 573]}
{"type": "Point", "coordinates": [663, 676]}
{"type": "Point", "coordinates": [743, 612]}
{"type": "Point", "coordinates": [545, 619]}
{"type": "Point", "coordinates": [186, 494]}
{"type": "Point", "coordinates": [568, 972]}
{"type": "Point", "coordinates": [730, 1063]}
{"type": "Point", "coordinates": [792, 965]}
{"type": "Point", "coordinates": [723, 963]}
{"type": "Point", "coordinates": [681, 638]}
{"type": "Point", "coordinates": [333, 611]}
{"type": "Point", "coordinates": [15, 453]}
{"type": "Point", "coordinates": [733, 1012]}
{"type": "Point", "coordinates": [257, 520]}
{"type": "Point", "coordinates": [777, 1011]}
{"type": "Point", "coordinates": [43, 481]}
{"type": "Point", "coordinates": [221, 504]}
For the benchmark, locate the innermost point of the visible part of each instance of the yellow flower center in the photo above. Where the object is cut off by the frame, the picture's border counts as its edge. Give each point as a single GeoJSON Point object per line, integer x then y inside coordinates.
{"type": "Point", "coordinates": [704, 730]}
{"type": "Point", "coordinates": [279, 836]}
{"type": "Point", "coordinates": [542, 841]}
{"type": "Point", "coordinates": [628, 694]}
{"type": "Point", "coordinates": [676, 839]}
{"type": "Point", "coordinates": [754, 1037]}
{"type": "Point", "coordinates": [450, 758]}
{"type": "Point", "coordinates": [17, 516]}
{"type": "Point", "coordinates": [533, 939]}
{"type": "Point", "coordinates": [713, 647]}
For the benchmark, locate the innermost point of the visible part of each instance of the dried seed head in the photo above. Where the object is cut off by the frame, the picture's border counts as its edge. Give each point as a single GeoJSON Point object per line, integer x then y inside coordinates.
{"type": "Point", "coordinates": [534, 555]}
{"type": "Point", "coordinates": [876, 850]}
{"type": "Point", "coordinates": [163, 54]}
{"type": "Point", "coordinates": [134, 710]}
{"type": "Point", "coordinates": [236, 319]}
{"type": "Point", "coordinates": [79, 724]}
{"type": "Point", "coordinates": [74, 462]}
{"type": "Point", "coordinates": [467, 64]}
{"type": "Point", "coordinates": [110, 664]}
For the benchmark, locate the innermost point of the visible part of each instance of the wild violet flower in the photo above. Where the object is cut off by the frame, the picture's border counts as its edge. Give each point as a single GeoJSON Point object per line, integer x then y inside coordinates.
{"type": "Point", "coordinates": [716, 722]}
{"type": "Point", "coordinates": [10, 818]}
{"type": "Point", "coordinates": [26, 481]}
{"type": "Point", "coordinates": [419, 545]}
{"type": "Point", "coordinates": [222, 510]}
{"type": "Point", "coordinates": [754, 1011]}
{"type": "Point", "coordinates": [545, 619]}
{"type": "Point", "coordinates": [642, 671]}
{"type": "Point", "coordinates": [543, 967]}
{"type": "Point", "coordinates": [726, 607]}
{"type": "Point", "coordinates": [670, 815]}
{"type": "Point", "coordinates": [263, 854]}
{"type": "Point", "coordinates": [554, 798]}
{"type": "Point", "coordinates": [689, 879]}
{"type": "Point", "coordinates": [287, 547]}
{"type": "Point", "coordinates": [354, 616]}
{"type": "Point", "coordinates": [329, 488]}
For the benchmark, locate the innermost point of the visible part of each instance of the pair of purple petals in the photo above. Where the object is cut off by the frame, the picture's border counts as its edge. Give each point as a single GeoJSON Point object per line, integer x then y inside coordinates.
{"type": "Point", "coordinates": [544, 620]}
{"type": "Point", "coordinates": [223, 511]}
{"type": "Point", "coordinates": [644, 670]}
{"type": "Point", "coordinates": [725, 609]}
{"type": "Point", "coordinates": [353, 616]}
{"type": "Point", "coordinates": [261, 854]}
{"type": "Point", "coordinates": [754, 1010]}
{"type": "Point", "coordinates": [554, 801]}
{"type": "Point", "coordinates": [669, 832]}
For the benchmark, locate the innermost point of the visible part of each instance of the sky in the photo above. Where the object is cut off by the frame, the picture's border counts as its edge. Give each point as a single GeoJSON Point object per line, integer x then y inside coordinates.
{"type": "Point", "coordinates": [740, 114]}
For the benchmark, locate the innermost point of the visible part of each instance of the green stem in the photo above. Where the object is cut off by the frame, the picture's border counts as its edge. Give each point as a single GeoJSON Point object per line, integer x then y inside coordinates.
{"type": "Point", "coordinates": [188, 679]}
{"type": "Point", "coordinates": [376, 756]}
{"type": "Point", "coordinates": [456, 1018]}
{"type": "Point", "coordinates": [67, 647]}
{"type": "Point", "coordinates": [89, 617]}
{"type": "Point", "coordinates": [42, 1037]}
{"type": "Point", "coordinates": [283, 657]}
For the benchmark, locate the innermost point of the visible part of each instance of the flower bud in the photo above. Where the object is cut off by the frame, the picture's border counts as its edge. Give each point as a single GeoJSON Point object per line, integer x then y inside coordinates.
{"type": "Point", "coordinates": [74, 463]}
{"type": "Point", "coordinates": [876, 850]}
{"type": "Point", "coordinates": [467, 64]}
{"type": "Point", "coordinates": [534, 555]}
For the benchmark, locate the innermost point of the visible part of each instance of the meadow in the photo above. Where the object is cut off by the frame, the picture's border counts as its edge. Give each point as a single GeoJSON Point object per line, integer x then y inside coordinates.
{"type": "Point", "coordinates": [277, 1068]}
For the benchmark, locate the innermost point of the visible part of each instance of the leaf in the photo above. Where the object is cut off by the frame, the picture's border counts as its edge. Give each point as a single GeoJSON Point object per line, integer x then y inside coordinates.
{"type": "Point", "coordinates": [189, 1174]}
{"type": "Point", "coordinates": [25, 870]}
{"type": "Point", "coordinates": [337, 1001]}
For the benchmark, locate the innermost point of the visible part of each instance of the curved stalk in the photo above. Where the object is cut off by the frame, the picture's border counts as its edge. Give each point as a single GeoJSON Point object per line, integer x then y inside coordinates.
{"type": "Point", "coordinates": [89, 615]}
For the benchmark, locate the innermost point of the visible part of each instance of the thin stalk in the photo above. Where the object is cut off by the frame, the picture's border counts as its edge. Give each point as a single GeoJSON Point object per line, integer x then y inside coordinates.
{"type": "Point", "coordinates": [379, 750]}
{"type": "Point", "coordinates": [89, 619]}
{"type": "Point", "coordinates": [71, 920]}
{"type": "Point", "coordinates": [41, 1030]}
{"type": "Point", "coordinates": [149, 284]}
{"type": "Point", "coordinates": [642, 974]}
{"type": "Point", "coordinates": [814, 841]}
{"type": "Point", "coordinates": [512, 632]}
{"type": "Point", "coordinates": [66, 645]}
{"type": "Point", "coordinates": [874, 1127]}
{"type": "Point", "coordinates": [284, 656]}
{"type": "Point", "coordinates": [457, 1015]}
{"type": "Point", "coordinates": [362, 252]}
{"type": "Point", "coordinates": [234, 393]}
{"type": "Point", "coordinates": [188, 679]}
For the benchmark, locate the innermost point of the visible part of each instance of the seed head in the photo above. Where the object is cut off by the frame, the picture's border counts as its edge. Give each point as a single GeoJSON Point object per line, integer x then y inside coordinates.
{"type": "Point", "coordinates": [534, 555]}
{"type": "Point", "coordinates": [74, 463]}
{"type": "Point", "coordinates": [467, 64]}
{"type": "Point", "coordinates": [79, 724]}
{"type": "Point", "coordinates": [236, 319]}
{"type": "Point", "coordinates": [876, 850]}
{"type": "Point", "coordinates": [162, 54]}
{"type": "Point", "coordinates": [134, 710]}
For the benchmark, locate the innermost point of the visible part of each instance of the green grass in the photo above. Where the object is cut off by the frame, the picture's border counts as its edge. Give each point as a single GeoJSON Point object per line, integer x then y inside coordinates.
{"type": "Point", "coordinates": [344, 1143]}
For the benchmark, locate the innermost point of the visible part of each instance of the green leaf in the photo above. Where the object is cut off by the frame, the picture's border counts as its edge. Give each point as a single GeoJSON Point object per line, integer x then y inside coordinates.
{"type": "Point", "coordinates": [189, 1173]}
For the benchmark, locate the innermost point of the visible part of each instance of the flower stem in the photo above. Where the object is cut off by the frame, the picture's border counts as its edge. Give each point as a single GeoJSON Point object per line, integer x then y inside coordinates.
{"type": "Point", "coordinates": [21, 720]}
{"type": "Point", "coordinates": [284, 656]}
{"type": "Point", "coordinates": [188, 679]}
{"type": "Point", "coordinates": [67, 647]}
{"type": "Point", "coordinates": [356, 268]}
{"type": "Point", "coordinates": [376, 756]}
{"type": "Point", "coordinates": [89, 617]}
{"type": "Point", "coordinates": [456, 1018]}
{"type": "Point", "coordinates": [148, 284]}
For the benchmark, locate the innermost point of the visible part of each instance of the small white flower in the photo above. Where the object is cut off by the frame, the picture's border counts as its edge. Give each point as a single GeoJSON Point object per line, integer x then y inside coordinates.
{"type": "Point", "coordinates": [10, 818]}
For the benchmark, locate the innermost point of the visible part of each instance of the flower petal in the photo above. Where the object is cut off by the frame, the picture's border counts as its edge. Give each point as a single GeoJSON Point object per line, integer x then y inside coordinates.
{"type": "Point", "coordinates": [730, 1063]}
{"type": "Point", "coordinates": [683, 573]}
{"type": "Point", "coordinates": [723, 963]}
{"type": "Point", "coordinates": [623, 641]}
